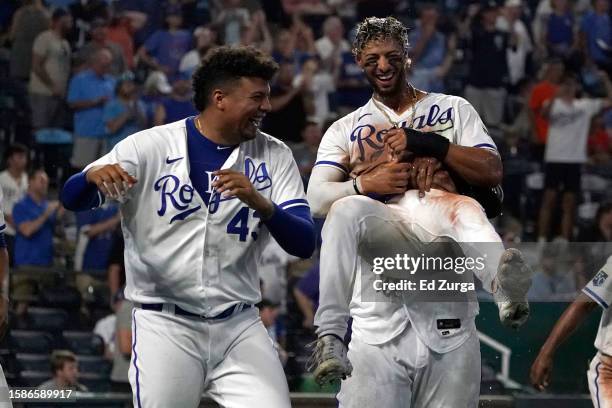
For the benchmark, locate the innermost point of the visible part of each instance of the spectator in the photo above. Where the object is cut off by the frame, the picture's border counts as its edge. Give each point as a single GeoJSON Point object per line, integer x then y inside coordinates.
{"type": "Point", "coordinates": [95, 237]}
{"type": "Point", "coordinates": [88, 92]}
{"type": "Point", "coordinates": [105, 328]}
{"type": "Point", "coordinates": [100, 40]}
{"type": "Point", "coordinates": [125, 114]}
{"type": "Point", "coordinates": [352, 86]}
{"type": "Point", "coordinates": [553, 279]}
{"type": "Point", "coordinates": [178, 105]}
{"type": "Point", "coordinates": [35, 219]}
{"type": "Point", "coordinates": [306, 293]}
{"type": "Point", "coordinates": [601, 229]}
{"type": "Point", "coordinates": [206, 38]}
{"type": "Point", "coordinates": [50, 73]}
{"type": "Point", "coordinates": [320, 86]}
{"type": "Point", "coordinates": [257, 33]}
{"type": "Point", "coordinates": [165, 48]}
{"type": "Point", "coordinates": [331, 46]}
{"type": "Point", "coordinates": [510, 21]}
{"type": "Point", "coordinates": [289, 105]}
{"type": "Point", "coordinates": [155, 89]}
{"type": "Point", "coordinates": [123, 348]}
{"type": "Point", "coordinates": [540, 94]}
{"type": "Point", "coordinates": [558, 34]}
{"type": "Point", "coordinates": [486, 82]}
{"type": "Point", "coordinates": [231, 21]}
{"type": "Point", "coordinates": [305, 152]}
{"type": "Point", "coordinates": [29, 20]}
{"type": "Point", "coordinates": [430, 59]}
{"type": "Point", "coordinates": [116, 269]}
{"type": "Point", "coordinates": [596, 35]}
{"type": "Point", "coordinates": [14, 184]}
{"type": "Point", "coordinates": [65, 370]}
{"type": "Point", "coordinates": [84, 13]}
{"type": "Point", "coordinates": [566, 151]}
{"type": "Point", "coordinates": [302, 7]}
{"type": "Point", "coordinates": [121, 32]}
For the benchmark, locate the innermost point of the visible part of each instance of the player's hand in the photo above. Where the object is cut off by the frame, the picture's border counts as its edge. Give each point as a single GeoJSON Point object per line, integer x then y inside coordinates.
{"type": "Point", "coordinates": [397, 141]}
{"type": "Point", "coordinates": [388, 178]}
{"type": "Point", "coordinates": [443, 181]}
{"type": "Point", "coordinates": [422, 173]}
{"type": "Point", "coordinates": [233, 183]}
{"type": "Point", "coordinates": [540, 371]}
{"type": "Point", "coordinates": [111, 180]}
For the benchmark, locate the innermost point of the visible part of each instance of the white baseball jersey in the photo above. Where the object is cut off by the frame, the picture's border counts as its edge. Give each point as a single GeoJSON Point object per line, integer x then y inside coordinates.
{"type": "Point", "coordinates": [356, 140]}
{"type": "Point", "coordinates": [179, 250]}
{"type": "Point", "coordinates": [600, 290]}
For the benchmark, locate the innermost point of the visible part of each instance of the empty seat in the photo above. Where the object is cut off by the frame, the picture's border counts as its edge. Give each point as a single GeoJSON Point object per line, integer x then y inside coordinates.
{"type": "Point", "coordinates": [33, 378]}
{"type": "Point", "coordinates": [84, 343]}
{"type": "Point", "coordinates": [61, 296]}
{"type": "Point", "coordinates": [47, 319]}
{"type": "Point", "coordinates": [94, 365]}
{"type": "Point", "coordinates": [33, 362]}
{"type": "Point", "coordinates": [24, 341]}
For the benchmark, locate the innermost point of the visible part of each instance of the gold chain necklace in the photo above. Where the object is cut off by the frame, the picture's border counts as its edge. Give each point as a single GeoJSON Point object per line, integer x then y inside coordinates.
{"type": "Point", "coordinates": [395, 124]}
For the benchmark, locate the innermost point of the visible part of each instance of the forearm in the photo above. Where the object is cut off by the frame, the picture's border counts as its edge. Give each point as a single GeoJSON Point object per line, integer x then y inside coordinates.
{"type": "Point", "coordinates": [279, 102]}
{"type": "Point", "coordinates": [573, 317]}
{"type": "Point", "coordinates": [104, 226]}
{"type": "Point", "coordinates": [294, 230]}
{"type": "Point", "coordinates": [323, 190]}
{"type": "Point", "coordinates": [42, 74]}
{"type": "Point", "coordinates": [115, 124]}
{"type": "Point", "coordinates": [477, 166]}
{"type": "Point", "coordinates": [30, 228]}
{"type": "Point", "coordinates": [80, 195]}
{"type": "Point", "coordinates": [304, 304]}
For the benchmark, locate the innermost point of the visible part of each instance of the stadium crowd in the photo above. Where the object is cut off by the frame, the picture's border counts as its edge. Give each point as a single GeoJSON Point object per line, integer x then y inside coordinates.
{"type": "Point", "coordinates": [76, 77]}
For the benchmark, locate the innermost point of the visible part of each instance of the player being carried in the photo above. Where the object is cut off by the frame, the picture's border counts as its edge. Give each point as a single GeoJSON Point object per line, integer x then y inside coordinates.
{"type": "Point", "coordinates": [201, 197]}
{"type": "Point", "coordinates": [424, 354]}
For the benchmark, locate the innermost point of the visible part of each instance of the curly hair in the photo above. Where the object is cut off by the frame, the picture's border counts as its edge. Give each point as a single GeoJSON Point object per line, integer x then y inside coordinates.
{"type": "Point", "coordinates": [224, 65]}
{"type": "Point", "coordinates": [376, 29]}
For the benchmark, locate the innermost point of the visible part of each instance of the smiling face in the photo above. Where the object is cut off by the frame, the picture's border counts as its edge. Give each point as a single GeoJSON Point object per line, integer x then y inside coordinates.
{"type": "Point", "coordinates": [384, 63]}
{"type": "Point", "coordinates": [244, 105]}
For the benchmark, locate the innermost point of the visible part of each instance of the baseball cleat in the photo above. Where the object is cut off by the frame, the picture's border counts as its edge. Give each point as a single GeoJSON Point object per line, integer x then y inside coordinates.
{"type": "Point", "coordinates": [512, 282]}
{"type": "Point", "coordinates": [329, 361]}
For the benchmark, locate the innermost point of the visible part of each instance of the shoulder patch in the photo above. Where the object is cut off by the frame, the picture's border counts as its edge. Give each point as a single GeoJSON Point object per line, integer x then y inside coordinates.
{"type": "Point", "coordinates": [600, 278]}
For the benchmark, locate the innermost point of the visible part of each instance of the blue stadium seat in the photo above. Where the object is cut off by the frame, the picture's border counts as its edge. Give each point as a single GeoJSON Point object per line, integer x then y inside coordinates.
{"type": "Point", "coordinates": [24, 341]}
{"type": "Point", "coordinates": [32, 362]}
{"type": "Point", "coordinates": [94, 365]}
{"type": "Point", "coordinates": [33, 378]}
{"type": "Point", "coordinates": [84, 343]}
{"type": "Point", "coordinates": [47, 319]}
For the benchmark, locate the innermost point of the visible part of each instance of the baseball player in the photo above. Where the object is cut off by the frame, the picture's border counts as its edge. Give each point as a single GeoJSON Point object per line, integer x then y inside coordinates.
{"type": "Point", "coordinates": [5, 401]}
{"type": "Point", "coordinates": [597, 292]}
{"type": "Point", "coordinates": [425, 355]}
{"type": "Point", "coordinates": [200, 198]}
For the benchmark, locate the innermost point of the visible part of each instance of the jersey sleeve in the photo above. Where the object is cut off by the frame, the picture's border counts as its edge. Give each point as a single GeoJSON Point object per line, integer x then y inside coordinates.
{"type": "Point", "coordinates": [124, 154]}
{"type": "Point", "coordinates": [600, 287]}
{"type": "Point", "coordinates": [333, 149]}
{"type": "Point", "coordinates": [287, 185]}
{"type": "Point", "coordinates": [472, 130]}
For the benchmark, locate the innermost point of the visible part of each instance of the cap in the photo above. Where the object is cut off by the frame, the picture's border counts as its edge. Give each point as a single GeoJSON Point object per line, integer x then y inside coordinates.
{"type": "Point", "coordinates": [159, 81]}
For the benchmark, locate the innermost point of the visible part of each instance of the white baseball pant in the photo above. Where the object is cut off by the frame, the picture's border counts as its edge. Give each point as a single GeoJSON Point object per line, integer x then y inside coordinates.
{"type": "Point", "coordinates": [175, 359]}
{"type": "Point", "coordinates": [600, 381]}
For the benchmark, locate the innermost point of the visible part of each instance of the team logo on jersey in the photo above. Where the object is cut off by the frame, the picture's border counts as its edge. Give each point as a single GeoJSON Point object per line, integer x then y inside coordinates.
{"type": "Point", "coordinates": [176, 195]}
{"type": "Point", "coordinates": [256, 173]}
{"type": "Point", "coordinates": [600, 278]}
{"type": "Point", "coordinates": [368, 137]}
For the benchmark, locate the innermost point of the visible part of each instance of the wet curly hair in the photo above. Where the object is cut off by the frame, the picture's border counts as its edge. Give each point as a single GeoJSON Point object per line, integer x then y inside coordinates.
{"type": "Point", "coordinates": [222, 66]}
{"type": "Point", "coordinates": [376, 28]}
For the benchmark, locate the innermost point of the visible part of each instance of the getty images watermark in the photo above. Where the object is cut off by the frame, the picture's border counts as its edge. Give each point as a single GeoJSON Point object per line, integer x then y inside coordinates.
{"type": "Point", "coordinates": [440, 272]}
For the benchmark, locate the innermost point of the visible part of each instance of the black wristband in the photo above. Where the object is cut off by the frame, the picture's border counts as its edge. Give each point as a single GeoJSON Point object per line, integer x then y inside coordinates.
{"type": "Point", "coordinates": [355, 186]}
{"type": "Point", "coordinates": [427, 143]}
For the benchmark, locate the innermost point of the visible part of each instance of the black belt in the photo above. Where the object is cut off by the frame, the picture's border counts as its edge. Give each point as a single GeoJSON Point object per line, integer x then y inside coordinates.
{"type": "Point", "coordinates": [238, 307]}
